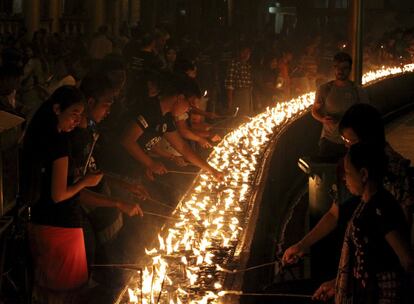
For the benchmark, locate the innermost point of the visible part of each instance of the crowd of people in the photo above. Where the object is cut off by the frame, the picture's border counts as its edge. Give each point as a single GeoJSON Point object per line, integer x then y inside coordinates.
{"type": "Point", "coordinates": [104, 115]}
{"type": "Point", "coordinates": [96, 131]}
{"type": "Point", "coordinates": [276, 67]}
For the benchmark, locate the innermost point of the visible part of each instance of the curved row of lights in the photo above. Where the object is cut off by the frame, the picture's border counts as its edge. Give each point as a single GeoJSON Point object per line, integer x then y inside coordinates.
{"type": "Point", "coordinates": [195, 251]}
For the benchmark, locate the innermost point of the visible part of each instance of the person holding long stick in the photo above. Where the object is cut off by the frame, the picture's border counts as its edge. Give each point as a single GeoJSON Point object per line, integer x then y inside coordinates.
{"type": "Point", "coordinates": [49, 188]}
{"type": "Point", "coordinates": [145, 129]}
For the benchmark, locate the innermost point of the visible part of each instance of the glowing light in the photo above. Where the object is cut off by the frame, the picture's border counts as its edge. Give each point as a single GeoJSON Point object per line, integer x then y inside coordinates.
{"type": "Point", "coordinates": [386, 72]}
{"type": "Point", "coordinates": [212, 216]}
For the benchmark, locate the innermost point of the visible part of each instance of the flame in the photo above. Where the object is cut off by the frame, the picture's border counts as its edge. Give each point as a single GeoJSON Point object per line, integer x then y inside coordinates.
{"type": "Point", "coordinates": [386, 72]}
{"type": "Point", "coordinates": [212, 216]}
{"type": "Point", "coordinates": [132, 297]}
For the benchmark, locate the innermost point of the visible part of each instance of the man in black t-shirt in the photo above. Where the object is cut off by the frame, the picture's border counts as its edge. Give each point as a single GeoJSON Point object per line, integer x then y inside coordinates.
{"type": "Point", "coordinates": [145, 129]}
{"type": "Point", "coordinates": [99, 94]}
{"type": "Point", "coordinates": [103, 218]}
{"type": "Point", "coordinates": [154, 124]}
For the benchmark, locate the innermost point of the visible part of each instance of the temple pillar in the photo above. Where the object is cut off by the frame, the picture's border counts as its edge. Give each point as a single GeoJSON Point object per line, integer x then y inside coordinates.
{"type": "Point", "coordinates": [31, 16]}
{"type": "Point", "coordinates": [54, 14]}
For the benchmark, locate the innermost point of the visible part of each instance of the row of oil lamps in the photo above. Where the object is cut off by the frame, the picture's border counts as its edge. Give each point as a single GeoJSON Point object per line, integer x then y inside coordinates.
{"type": "Point", "coordinates": [194, 253]}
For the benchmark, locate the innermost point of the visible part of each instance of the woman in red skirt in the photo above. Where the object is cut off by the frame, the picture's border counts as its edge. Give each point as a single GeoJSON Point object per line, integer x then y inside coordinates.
{"type": "Point", "coordinates": [55, 233]}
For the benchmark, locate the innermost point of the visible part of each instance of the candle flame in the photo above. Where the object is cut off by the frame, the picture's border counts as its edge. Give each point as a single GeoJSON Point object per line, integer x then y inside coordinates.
{"type": "Point", "coordinates": [212, 215]}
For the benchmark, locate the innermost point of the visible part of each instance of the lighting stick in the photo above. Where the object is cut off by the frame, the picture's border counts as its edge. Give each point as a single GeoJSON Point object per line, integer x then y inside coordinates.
{"type": "Point", "coordinates": [160, 203]}
{"type": "Point", "coordinates": [234, 114]}
{"type": "Point", "coordinates": [222, 128]}
{"type": "Point", "coordinates": [228, 117]}
{"type": "Point", "coordinates": [124, 266]}
{"type": "Point", "coordinates": [251, 268]}
{"type": "Point", "coordinates": [152, 282]}
{"type": "Point", "coordinates": [142, 284]}
{"type": "Point", "coordinates": [162, 287]}
{"type": "Point", "coordinates": [246, 269]}
{"type": "Point", "coordinates": [182, 172]}
{"type": "Point", "coordinates": [162, 216]}
{"type": "Point", "coordinates": [287, 295]}
{"type": "Point", "coordinates": [88, 159]}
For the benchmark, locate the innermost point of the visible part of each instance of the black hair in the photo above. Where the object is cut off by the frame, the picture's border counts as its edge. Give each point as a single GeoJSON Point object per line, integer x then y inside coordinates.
{"type": "Point", "coordinates": [95, 85]}
{"type": "Point", "coordinates": [10, 71]}
{"type": "Point", "coordinates": [366, 122]}
{"type": "Point", "coordinates": [184, 65]}
{"type": "Point", "coordinates": [44, 120]}
{"type": "Point", "coordinates": [103, 29]}
{"type": "Point", "coordinates": [170, 47]}
{"type": "Point", "coordinates": [147, 39]}
{"type": "Point", "coordinates": [11, 55]}
{"type": "Point", "coordinates": [136, 32]}
{"type": "Point", "coordinates": [286, 50]}
{"type": "Point", "coordinates": [371, 157]}
{"type": "Point", "coordinates": [189, 87]}
{"type": "Point", "coordinates": [160, 33]}
{"type": "Point", "coordinates": [167, 84]}
{"type": "Point", "coordinates": [43, 125]}
{"type": "Point", "coordinates": [343, 57]}
{"type": "Point", "coordinates": [114, 68]}
{"type": "Point", "coordinates": [171, 85]}
{"type": "Point", "coordinates": [242, 45]}
{"type": "Point", "coordinates": [65, 96]}
{"type": "Point", "coordinates": [112, 62]}
{"type": "Point", "coordinates": [41, 130]}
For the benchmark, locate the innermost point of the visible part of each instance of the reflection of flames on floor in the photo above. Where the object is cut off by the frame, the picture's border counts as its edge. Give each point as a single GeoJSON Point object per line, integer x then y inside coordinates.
{"type": "Point", "coordinates": [195, 252]}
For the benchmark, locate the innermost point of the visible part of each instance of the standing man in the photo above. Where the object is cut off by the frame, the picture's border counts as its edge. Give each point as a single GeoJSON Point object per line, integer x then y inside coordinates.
{"type": "Point", "coordinates": [239, 82]}
{"type": "Point", "coordinates": [101, 45]}
{"type": "Point", "coordinates": [331, 102]}
{"type": "Point", "coordinates": [142, 61]}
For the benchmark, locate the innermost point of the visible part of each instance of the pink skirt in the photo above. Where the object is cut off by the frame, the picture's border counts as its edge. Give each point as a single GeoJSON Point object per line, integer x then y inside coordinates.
{"type": "Point", "coordinates": [59, 257]}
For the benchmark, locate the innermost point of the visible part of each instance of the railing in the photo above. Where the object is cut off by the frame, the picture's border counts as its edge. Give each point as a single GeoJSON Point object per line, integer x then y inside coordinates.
{"type": "Point", "coordinates": [10, 25]}
{"type": "Point", "coordinates": [46, 23]}
{"type": "Point", "coordinates": [73, 25]}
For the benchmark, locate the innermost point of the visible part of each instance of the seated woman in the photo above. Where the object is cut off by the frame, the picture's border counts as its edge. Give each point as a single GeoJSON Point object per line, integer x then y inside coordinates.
{"type": "Point", "coordinates": [375, 250]}
{"type": "Point", "coordinates": [48, 186]}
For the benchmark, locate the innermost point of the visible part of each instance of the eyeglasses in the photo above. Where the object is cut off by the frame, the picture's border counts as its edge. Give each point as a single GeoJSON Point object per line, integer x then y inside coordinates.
{"type": "Point", "coordinates": [346, 140]}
